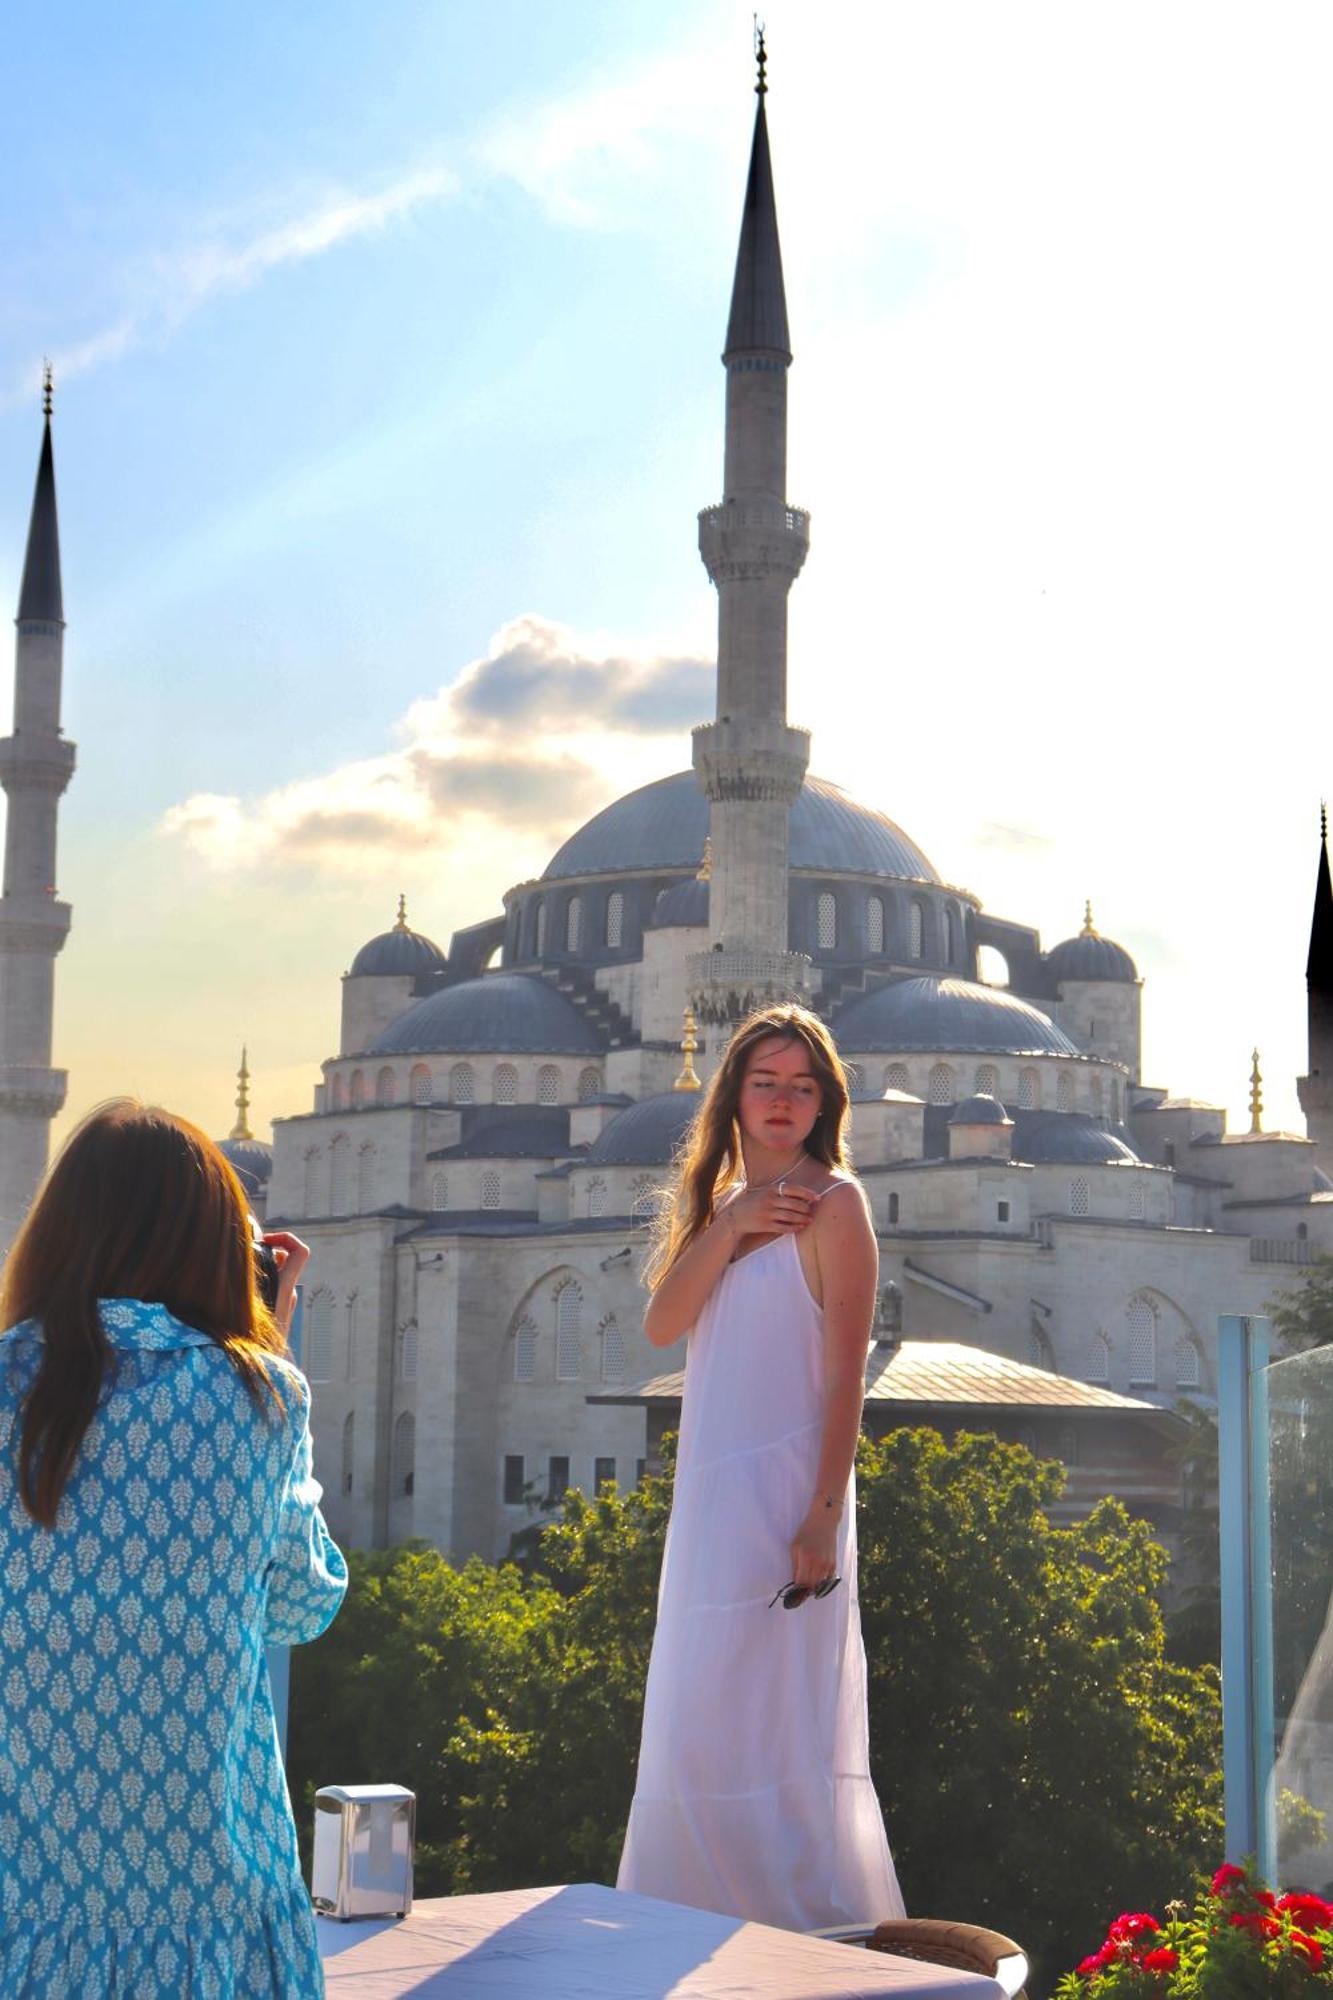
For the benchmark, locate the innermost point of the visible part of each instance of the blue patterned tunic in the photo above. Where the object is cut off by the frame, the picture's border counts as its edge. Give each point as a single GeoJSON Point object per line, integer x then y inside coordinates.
{"type": "Point", "coordinates": [147, 1849]}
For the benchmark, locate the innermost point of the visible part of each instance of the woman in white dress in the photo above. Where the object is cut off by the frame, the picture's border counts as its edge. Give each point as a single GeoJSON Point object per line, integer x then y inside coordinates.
{"type": "Point", "coordinates": [754, 1795]}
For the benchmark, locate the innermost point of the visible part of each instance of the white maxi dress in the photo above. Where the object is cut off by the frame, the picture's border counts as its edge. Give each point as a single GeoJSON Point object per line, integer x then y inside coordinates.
{"type": "Point", "coordinates": [754, 1795]}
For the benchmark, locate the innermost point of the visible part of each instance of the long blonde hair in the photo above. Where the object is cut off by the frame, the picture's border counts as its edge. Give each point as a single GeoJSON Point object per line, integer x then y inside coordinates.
{"type": "Point", "coordinates": [710, 1159]}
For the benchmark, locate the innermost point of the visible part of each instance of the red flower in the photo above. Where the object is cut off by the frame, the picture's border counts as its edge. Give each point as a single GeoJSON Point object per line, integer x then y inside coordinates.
{"type": "Point", "coordinates": [1309, 1947]}
{"type": "Point", "coordinates": [1227, 1876]}
{"type": "Point", "coordinates": [1130, 1926]}
{"type": "Point", "coordinates": [1161, 1960]}
{"type": "Point", "coordinates": [1256, 1922]}
{"type": "Point", "coordinates": [1266, 1897]}
{"type": "Point", "coordinates": [1312, 1910]}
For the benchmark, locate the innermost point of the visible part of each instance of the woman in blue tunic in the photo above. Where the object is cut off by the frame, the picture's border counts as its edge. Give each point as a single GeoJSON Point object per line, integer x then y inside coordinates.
{"type": "Point", "coordinates": [159, 1525]}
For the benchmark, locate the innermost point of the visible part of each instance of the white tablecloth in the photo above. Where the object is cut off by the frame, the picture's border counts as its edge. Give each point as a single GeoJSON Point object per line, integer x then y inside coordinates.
{"type": "Point", "coordinates": [585, 1942]}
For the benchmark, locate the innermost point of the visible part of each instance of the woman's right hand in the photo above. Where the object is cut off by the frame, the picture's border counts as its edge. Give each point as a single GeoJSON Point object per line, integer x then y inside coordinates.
{"type": "Point", "coordinates": [783, 1209]}
{"type": "Point", "coordinates": [292, 1256]}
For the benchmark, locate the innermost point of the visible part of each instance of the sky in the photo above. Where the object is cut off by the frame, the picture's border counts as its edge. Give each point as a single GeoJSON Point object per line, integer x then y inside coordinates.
{"type": "Point", "coordinates": [387, 390]}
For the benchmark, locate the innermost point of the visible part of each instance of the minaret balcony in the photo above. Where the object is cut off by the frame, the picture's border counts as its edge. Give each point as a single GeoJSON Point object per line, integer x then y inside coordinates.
{"type": "Point", "coordinates": [31, 922]}
{"type": "Point", "coordinates": [743, 540]}
{"type": "Point", "coordinates": [749, 757]}
{"type": "Point", "coordinates": [725, 985]}
{"type": "Point", "coordinates": [31, 1092]}
{"type": "Point", "coordinates": [36, 762]}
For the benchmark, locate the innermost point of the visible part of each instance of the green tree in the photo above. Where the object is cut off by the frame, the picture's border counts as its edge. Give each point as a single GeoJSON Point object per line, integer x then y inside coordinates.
{"type": "Point", "coordinates": [1303, 1317]}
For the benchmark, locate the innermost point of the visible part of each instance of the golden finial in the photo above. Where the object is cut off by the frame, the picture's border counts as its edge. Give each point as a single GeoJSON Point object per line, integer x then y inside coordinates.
{"type": "Point", "coordinates": [401, 924]}
{"type": "Point", "coordinates": [241, 1129]}
{"type": "Point", "coordinates": [1089, 928]}
{"type": "Point", "coordinates": [706, 865]}
{"type": "Point", "coordinates": [689, 1042]}
{"type": "Point", "coordinates": [48, 387]}
{"type": "Point", "coordinates": [761, 58]}
{"type": "Point", "coordinates": [1323, 819]}
{"type": "Point", "coordinates": [1256, 1094]}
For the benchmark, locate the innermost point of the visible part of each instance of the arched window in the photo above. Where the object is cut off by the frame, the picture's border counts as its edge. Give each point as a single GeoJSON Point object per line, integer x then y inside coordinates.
{"type": "Point", "coordinates": [384, 1087]}
{"type": "Point", "coordinates": [568, 1332]}
{"type": "Point", "coordinates": [365, 1179]}
{"type": "Point", "coordinates": [573, 923]}
{"type": "Point", "coordinates": [826, 921]}
{"type": "Point", "coordinates": [462, 1084]}
{"type": "Point", "coordinates": [895, 1077]}
{"type": "Point", "coordinates": [1099, 1358]}
{"type": "Point", "coordinates": [525, 1350]}
{"type": "Point", "coordinates": [875, 925]}
{"type": "Point", "coordinates": [352, 1313]}
{"type": "Point", "coordinates": [409, 1352]}
{"type": "Point", "coordinates": [615, 920]}
{"type": "Point", "coordinates": [404, 1455]}
{"type": "Point", "coordinates": [548, 1084]}
{"type": "Point", "coordinates": [643, 1201]}
{"type": "Point", "coordinates": [598, 1198]}
{"type": "Point", "coordinates": [1187, 1363]}
{"type": "Point", "coordinates": [358, 1090]}
{"type": "Point", "coordinates": [420, 1084]}
{"type": "Point", "coordinates": [317, 1342]}
{"type": "Point", "coordinates": [310, 1190]}
{"type": "Point", "coordinates": [987, 1082]}
{"type": "Point", "coordinates": [1064, 1091]}
{"type": "Point", "coordinates": [916, 930]}
{"type": "Point", "coordinates": [1039, 1349]}
{"type": "Point", "coordinates": [541, 927]}
{"type": "Point", "coordinates": [590, 1084]}
{"type": "Point", "coordinates": [1095, 1091]}
{"type": "Point", "coordinates": [940, 1089]}
{"type": "Point", "coordinates": [339, 1094]}
{"type": "Point", "coordinates": [504, 1087]}
{"type": "Point", "coordinates": [340, 1154]}
{"type": "Point", "coordinates": [1141, 1315]}
{"type": "Point", "coordinates": [349, 1450]}
{"type": "Point", "coordinates": [439, 1192]}
{"type": "Point", "coordinates": [613, 1351]}
{"type": "Point", "coordinates": [1138, 1200]}
{"type": "Point", "coordinates": [1029, 1089]}
{"type": "Point", "coordinates": [950, 934]}
{"type": "Point", "coordinates": [894, 1205]}
{"type": "Point", "coordinates": [490, 1189]}
{"type": "Point", "coordinates": [1078, 1195]}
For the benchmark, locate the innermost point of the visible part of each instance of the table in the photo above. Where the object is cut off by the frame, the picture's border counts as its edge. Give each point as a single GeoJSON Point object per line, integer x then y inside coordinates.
{"type": "Point", "coordinates": [581, 1941]}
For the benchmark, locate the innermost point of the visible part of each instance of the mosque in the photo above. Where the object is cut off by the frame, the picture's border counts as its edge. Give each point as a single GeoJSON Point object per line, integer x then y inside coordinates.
{"type": "Point", "coordinates": [491, 1136]}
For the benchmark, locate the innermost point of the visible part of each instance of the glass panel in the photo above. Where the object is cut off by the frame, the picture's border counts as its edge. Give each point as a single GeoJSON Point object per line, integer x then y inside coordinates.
{"type": "Point", "coordinates": [1300, 1456]}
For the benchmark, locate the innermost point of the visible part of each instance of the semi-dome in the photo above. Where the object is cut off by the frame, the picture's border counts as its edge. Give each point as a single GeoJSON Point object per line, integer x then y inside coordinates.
{"type": "Point", "coordinates": [1091, 956]}
{"type": "Point", "coordinates": [683, 906]}
{"type": "Point", "coordinates": [397, 953]}
{"type": "Point", "coordinates": [948, 1016]}
{"type": "Point", "coordinates": [502, 1013]}
{"type": "Point", "coordinates": [665, 824]}
{"type": "Point", "coordinates": [981, 1109]}
{"type": "Point", "coordinates": [1049, 1138]}
{"type": "Point", "coordinates": [646, 1133]}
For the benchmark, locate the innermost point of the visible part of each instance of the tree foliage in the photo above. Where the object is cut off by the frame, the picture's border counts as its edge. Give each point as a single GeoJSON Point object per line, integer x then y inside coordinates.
{"type": "Point", "coordinates": [1303, 1317]}
{"type": "Point", "coordinates": [1038, 1757]}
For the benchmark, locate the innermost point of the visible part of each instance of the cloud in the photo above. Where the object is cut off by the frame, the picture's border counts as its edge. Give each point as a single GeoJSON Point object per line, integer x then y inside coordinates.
{"type": "Point", "coordinates": [526, 742]}
{"type": "Point", "coordinates": [1013, 839]}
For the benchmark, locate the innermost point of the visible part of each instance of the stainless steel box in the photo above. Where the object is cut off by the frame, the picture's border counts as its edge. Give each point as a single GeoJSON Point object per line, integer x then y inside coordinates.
{"type": "Point", "coordinates": [363, 1851]}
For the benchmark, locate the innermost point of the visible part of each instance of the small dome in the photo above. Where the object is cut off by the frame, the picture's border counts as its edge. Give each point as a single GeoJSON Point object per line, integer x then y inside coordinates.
{"type": "Point", "coordinates": [646, 1133]}
{"type": "Point", "coordinates": [1050, 1138]}
{"type": "Point", "coordinates": [665, 824]}
{"type": "Point", "coordinates": [397, 953]}
{"type": "Point", "coordinates": [982, 1109]}
{"type": "Point", "coordinates": [252, 1161]}
{"type": "Point", "coordinates": [502, 1013]}
{"type": "Point", "coordinates": [683, 906]}
{"type": "Point", "coordinates": [1092, 958]}
{"type": "Point", "coordinates": [948, 1016]}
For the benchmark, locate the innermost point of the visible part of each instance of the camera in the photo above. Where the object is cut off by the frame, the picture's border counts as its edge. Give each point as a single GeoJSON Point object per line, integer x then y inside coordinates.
{"type": "Point", "coordinates": [266, 1266]}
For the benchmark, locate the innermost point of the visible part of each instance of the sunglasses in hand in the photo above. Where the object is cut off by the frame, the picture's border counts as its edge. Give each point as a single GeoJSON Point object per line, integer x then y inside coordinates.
{"type": "Point", "coordinates": [795, 1593]}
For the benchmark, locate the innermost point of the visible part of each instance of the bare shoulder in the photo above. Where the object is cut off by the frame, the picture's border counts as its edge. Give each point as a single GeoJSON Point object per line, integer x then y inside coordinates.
{"type": "Point", "coordinates": [842, 1204]}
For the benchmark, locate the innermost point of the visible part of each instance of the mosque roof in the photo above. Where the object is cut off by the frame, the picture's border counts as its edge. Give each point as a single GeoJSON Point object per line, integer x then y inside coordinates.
{"type": "Point", "coordinates": [252, 1160]}
{"type": "Point", "coordinates": [981, 1109]}
{"type": "Point", "coordinates": [683, 905]}
{"type": "Point", "coordinates": [397, 953]}
{"type": "Point", "coordinates": [948, 1015]}
{"type": "Point", "coordinates": [665, 824]}
{"type": "Point", "coordinates": [500, 1013]}
{"type": "Point", "coordinates": [1050, 1138]}
{"type": "Point", "coordinates": [1090, 957]}
{"type": "Point", "coordinates": [647, 1133]}
{"type": "Point", "coordinates": [39, 593]}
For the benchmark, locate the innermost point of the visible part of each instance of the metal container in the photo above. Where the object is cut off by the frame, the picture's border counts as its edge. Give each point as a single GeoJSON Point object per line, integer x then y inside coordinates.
{"type": "Point", "coordinates": [363, 1851]}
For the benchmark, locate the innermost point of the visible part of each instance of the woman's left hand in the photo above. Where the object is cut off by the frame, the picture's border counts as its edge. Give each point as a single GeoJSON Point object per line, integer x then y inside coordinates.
{"type": "Point", "coordinates": [292, 1255]}
{"type": "Point", "coordinates": [814, 1548]}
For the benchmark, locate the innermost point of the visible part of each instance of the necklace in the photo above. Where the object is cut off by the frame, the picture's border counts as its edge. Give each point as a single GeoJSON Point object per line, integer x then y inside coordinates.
{"type": "Point", "coordinates": [785, 1173]}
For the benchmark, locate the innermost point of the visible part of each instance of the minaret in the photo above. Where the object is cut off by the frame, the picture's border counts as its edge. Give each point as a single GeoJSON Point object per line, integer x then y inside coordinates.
{"type": "Point", "coordinates": [241, 1129]}
{"type": "Point", "coordinates": [35, 766]}
{"type": "Point", "coordinates": [1316, 1089]}
{"type": "Point", "coordinates": [749, 762]}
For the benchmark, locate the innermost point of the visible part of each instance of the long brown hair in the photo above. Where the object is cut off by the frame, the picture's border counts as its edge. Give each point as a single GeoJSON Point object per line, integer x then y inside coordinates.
{"type": "Point", "coordinates": [710, 1159]}
{"type": "Point", "coordinates": [139, 1204]}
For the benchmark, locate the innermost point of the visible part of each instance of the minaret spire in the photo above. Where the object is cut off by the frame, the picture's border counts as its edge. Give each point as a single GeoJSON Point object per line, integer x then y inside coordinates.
{"type": "Point", "coordinates": [241, 1129]}
{"type": "Point", "coordinates": [750, 762]}
{"type": "Point", "coordinates": [1256, 1093]}
{"type": "Point", "coordinates": [1316, 1088]}
{"type": "Point", "coordinates": [36, 764]}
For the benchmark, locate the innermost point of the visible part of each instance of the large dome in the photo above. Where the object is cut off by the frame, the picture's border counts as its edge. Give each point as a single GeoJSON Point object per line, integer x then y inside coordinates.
{"type": "Point", "coordinates": [949, 1016]}
{"type": "Point", "coordinates": [665, 824]}
{"type": "Point", "coordinates": [646, 1133]}
{"type": "Point", "coordinates": [503, 1013]}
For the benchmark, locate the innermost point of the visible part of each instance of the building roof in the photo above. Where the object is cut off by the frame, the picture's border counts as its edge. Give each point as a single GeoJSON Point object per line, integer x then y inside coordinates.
{"type": "Point", "coordinates": [950, 1016]}
{"type": "Point", "coordinates": [398, 952]}
{"type": "Point", "coordinates": [1319, 963]}
{"type": "Point", "coordinates": [647, 1133]}
{"type": "Point", "coordinates": [508, 1132]}
{"type": "Point", "coordinates": [252, 1160]}
{"type": "Point", "coordinates": [665, 824]}
{"type": "Point", "coordinates": [1092, 957]}
{"type": "Point", "coordinates": [40, 596]}
{"type": "Point", "coordinates": [683, 906]}
{"type": "Point", "coordinates": [941, 1374]}
{"type": "Point", "coordinates": [758, 319]}
{"type": "Point", "coordinates": [980, 1109]}
{"type": "Point", "coordinates": [1051, 1138]}
{"type": "Point", "coordinates": [502, 1013]}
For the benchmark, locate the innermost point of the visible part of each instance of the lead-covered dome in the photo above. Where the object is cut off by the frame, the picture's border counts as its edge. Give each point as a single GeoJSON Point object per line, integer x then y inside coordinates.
{"type": "Point", "coordinates": [399, 953]}
{"type": "Point", "coordinates": [1069, 1138]}
{"type": "Point", "coordinates": [646, 1133]}
{"type": "Point", "coordinates": [948, 1016]}
{"type": "Point", "coordinates": [503, 1013]}
{"type": "Point", "coordinates": [665, 824]}
{"type": "Point", "coordinates": [1091, 956]}
{"type": "Point", "coordinates": [980, 1109]}
{"type": "Point", "coordinates": [252, 1161]}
